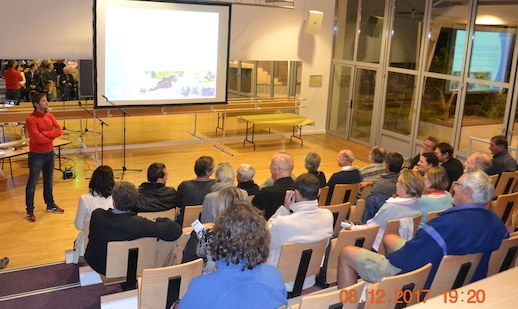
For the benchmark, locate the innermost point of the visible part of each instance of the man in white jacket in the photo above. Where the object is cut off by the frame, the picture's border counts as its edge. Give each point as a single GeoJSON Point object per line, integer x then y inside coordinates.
{"type": "Point", "coordinates": [299, 220]}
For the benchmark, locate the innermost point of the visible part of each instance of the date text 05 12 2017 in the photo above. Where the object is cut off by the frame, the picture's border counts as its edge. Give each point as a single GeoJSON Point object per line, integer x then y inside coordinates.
{"type": "Point", "coordinates": [408, 296]}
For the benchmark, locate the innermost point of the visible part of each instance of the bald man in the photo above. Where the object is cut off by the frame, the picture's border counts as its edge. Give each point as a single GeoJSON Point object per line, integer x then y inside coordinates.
{"type": "Point", "coordinates": [347, 174]}
{"type": "Point", "coordinates": [268, 199]}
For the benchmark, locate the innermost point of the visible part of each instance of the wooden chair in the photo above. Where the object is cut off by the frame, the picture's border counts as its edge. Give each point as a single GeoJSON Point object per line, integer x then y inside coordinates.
{"type": "Point", "coordinates": [393, 289]}
{"type": "Point", "coordinates": [506, 183]}
{"type": "Point", "coordinates": [365, 191]}
{"type": "Point", "coordinates": [322, 198]}
{"type": "Point", "coordinates": [250, 198]}
{"type": "Point", "coordinates": [433, 214]}
{"type": "Point", "coordinates": [343, 193]}
{"type": "Point", "coordinates": [170, 213]}
{"type": "Point", "coordinates": [392, 227]}
{"type": "Point", "coordinates": [504, 257]}
{"type": "Point", "coordinates": [191, 213]}
{"type": "Point", "coordinates": [356, 213]}
{"type": "Point", "coordinates": [126, 259]}
{"type": "Point", "coordinates": [161, 287]}
{"type": "Point", "coordinates": [340, 213]}
{"type": "Point", "coordinates": [332, 298]}
{"type": "Point", "coordinates": [494, 178]}
{"type": "Point", "coordinates": [363, 238]}
{"type": "Point", "coordinates": [298, 261]}
{"type": "Point", "coordinates": [504, 206]}
{"type": "Point", "coordinates": [454, 272]}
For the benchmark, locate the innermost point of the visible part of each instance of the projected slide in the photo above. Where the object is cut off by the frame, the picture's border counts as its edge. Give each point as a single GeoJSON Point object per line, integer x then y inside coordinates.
{"type": "Point", "coordinates": [157, 53]}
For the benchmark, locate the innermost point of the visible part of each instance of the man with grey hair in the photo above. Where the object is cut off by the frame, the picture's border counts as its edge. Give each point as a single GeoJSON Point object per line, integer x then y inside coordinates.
{"type": "Point", "coordinates": [245, 174]}
{"type": "Point", "coordinates": [348, 174]}
{"type": "Point", "coordinates": [376, 165]}
{"type": "Point", "coordinates": [478, 161]}
{"type": "Point", "coordinates": [224, 179]}
{"type": "Point", "coordinates": [120, 223]}
{"type": "Point", "coordinates": [468, 227]}
{"type": "Point", "coordinates": [268, 199]}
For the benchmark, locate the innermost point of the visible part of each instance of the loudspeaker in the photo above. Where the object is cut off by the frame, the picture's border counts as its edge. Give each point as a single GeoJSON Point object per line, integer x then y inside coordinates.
{"type": "Point", "coordinates": [86, 79]}
{"type": "Point", "coordinates": [314, 22]}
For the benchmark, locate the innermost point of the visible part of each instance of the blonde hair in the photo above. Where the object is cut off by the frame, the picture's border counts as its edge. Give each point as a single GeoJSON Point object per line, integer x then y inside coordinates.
{"type": "Point", "coordinates": [412, 181]}
{"type": "Point", "coordinates": [437, 177]}
{"type": "Point", "coordinates": [226, 197]}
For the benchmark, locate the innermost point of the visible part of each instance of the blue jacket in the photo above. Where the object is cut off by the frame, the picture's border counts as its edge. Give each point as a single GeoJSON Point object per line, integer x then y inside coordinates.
{"type": "Point", "coordinates": [231, 287]}
{"type": "Point", "coordinates": [459, 230]}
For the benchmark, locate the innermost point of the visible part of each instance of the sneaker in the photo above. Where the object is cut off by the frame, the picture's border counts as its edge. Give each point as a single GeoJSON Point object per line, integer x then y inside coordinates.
{"type": "Point", "coordinates": [55, 209]}
{"type": "Point", "coordinates": [4, 262]}
{"type": "Point", "coordinates": [31, 217]}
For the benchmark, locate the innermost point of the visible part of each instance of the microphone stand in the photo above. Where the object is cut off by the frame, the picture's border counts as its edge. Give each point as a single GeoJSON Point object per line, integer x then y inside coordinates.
{"type": "Point", "coordinates": [86, 120]}
{"type": "Point", "coordinates": [65, 124]}
{"type": "Point", "coordinates": [103, 123]}
{"type": "Point", "coordinates": [124, 114]}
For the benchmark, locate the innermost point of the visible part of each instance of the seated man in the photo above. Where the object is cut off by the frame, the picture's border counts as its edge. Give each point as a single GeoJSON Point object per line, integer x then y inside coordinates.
{"type": "Point", "coordinates": [502, 160]}
{"type": "Point", "coordinates": [376, 167]}
{"type": "Point", "coordinates": [120, 223]}
{"type": "Point", "coordinates": [348, 174]}
{"type": "Point", "coordinates": [299, 220]}
{"type": "Point", "coordinates": [466, 228]}
{"type": "Point", "coordinates": [245, 174]}
{"type": "Point", "coordinates": [154, 195]}
{"type": "Point", "coordinates": [192, 192]}
{"type": "Point", "coordinates": [453, 167]}
{"type": "Point", "coordinates": [478, 161]}
{"type": "Point", "coordinates": [268, 199]}
{"type": "Point", "coordinates": [428, 147]}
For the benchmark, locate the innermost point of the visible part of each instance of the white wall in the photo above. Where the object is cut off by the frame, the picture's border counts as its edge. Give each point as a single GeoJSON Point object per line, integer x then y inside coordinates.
{"type": "Point", "coordinates": [63, 29]}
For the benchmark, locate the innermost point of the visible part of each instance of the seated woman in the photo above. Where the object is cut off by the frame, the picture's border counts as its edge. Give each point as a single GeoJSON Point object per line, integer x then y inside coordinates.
{"type": "Point", "coordinates": [240, 246]}
{"type": "Point", "coordinates": [426, 160]}
{"type": "Point", "coordinates": [100, 196]}
{"type": "Point", "coordinates": [409, 188]}
{"type": "Point", "coordinates": [435, 196]}
{"type": "Point", "coordinates": [312, 163]}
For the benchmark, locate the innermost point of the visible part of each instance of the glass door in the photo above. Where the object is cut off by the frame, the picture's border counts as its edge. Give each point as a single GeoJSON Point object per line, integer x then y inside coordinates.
{"type": "Point", "coordinates": [362, 104]}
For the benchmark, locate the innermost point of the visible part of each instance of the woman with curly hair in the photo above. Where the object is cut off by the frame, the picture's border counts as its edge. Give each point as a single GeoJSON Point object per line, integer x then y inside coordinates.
{"type": "Point", "coordinates": [240, 245]}
{"type": "Point", "coordinates": [99, 196]}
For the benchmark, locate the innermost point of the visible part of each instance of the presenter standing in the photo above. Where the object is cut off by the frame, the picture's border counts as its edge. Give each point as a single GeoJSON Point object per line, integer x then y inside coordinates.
{"type": "Point", "coordinates": [42, 129]}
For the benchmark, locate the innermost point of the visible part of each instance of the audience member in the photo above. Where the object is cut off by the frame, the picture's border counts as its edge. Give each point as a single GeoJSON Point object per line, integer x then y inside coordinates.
{"type": "Point", "coordinates": [154, 195]}
{"type": "Point", "coordinates": [42, 128]}
{"type": "Point", "coordinates": [4, 262]}
{"type": "Point", "coordinates": [385, 188]}
{"type": "Point", "coordinates": [120, 223]}
{"type": "Point", "coordinates": [224, 179]}
{"type": "Point", "coordinates": [466, 228]}
{"type": "Point", "coordinates": [478, 161]}
{"type": "Point", "coordinates": [192, 192]}
{"type": "Point", "coordinates": [453, 167]}
{"type": "Point", "coordinates": [99, 196]}
{"type": "Point", "coordinates": [347, 175]}
{"type": "Point", "coordinates": [428, 147]}
{"type": "Point", "coordinates": [435, 196]}
{"type": "Point", "coordinates": [376, 167]}
{"type": "Point", "coordinates": [67, 85]}
{"type": "Point", "coordinates": [502, 160]}
{"type": "Point", "coordinates": [268, 199]}
{"type": "Point", "coordinates": [242, 280]}
{"type": "Point", "coordinates": [13, 78]}
{"type": "Point", "coordinates": [409, 188]}
{"type": "Point", "coordinates": [299, 220]}
{"type": "Point", "coordinates": [49, 79]}
{"type": "Point", "coordinates": [33, 81]}
{"type": "Point", "coordinates": [426, 161]}
{"type": "Point", "coordinates": [312, 163]}
{"type": "Point", "coordinates": [245, 181]}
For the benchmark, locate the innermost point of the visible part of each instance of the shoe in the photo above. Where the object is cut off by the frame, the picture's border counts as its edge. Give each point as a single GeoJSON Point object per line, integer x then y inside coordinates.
{"type": "Point", "coordinates": [55, 209]}
{"type": "Point", "coordinates": [30, 217]}
{"type": "Point", "coordinates": [4, 262]}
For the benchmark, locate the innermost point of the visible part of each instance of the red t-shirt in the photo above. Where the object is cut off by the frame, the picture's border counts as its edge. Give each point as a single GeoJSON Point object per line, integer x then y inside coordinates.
{"type": "Point", "coordinates": [12, 79]}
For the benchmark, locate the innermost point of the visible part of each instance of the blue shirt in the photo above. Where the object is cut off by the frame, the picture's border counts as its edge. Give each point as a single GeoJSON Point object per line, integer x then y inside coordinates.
{"type": "Point", "coordinates": [232, 287]}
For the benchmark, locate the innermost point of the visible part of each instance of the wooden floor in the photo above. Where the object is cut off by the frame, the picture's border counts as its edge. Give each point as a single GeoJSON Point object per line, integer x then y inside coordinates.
{"type": "Point", "coordinates": [46, 240]}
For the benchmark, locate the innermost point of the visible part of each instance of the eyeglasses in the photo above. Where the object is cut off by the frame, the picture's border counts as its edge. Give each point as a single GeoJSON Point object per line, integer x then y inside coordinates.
{"type": "Point", "coordinates": [456, 183]}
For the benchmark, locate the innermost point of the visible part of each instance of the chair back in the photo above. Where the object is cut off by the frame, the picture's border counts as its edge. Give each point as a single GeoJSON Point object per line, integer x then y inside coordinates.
{"type": "Point", "coordinates": [393, 226]}
{"type": "Point", "coordinates": [346, 298]}
{"type": "Point", "coordinates": [161, 287]}
{"type": "Point", "coordinates": [365, 191]}
{"type": "Point", "coordinates": [86, 232]}
{"type": "Point", "coordinates": [505, 206]}
{"type": "Point", "coordinates": [169, 213]}
{"type": "Point", "coordinates": [191, 213]}
{"type": "Point", "coordinates": [250, 198]}
{"type": "Point", "coordinates": [340, 213]}
{"type": "Point", "coordinates": [494, 179]}
{"type": "Point", "coordinates": [298, 261]}
{"type": "Point", "coordinates": [504, 257]}
{"type": "Point", "coordinates": [356, 213]}
{"type": "Point", "coordinates": [363, 238]}
{"type": "Point", "coordinates": [395, 289]}
{"type": "Point", "coordinates": [454, 272]}
{"type": "Point", "coordinates": [129, 258]}
{"type": "Point", "coordinates": [343, 193]}
{"type": "Point", "coordinates": [433, 214]}
{"type": "Point", "coordinates": [322, 198]}
{"type": "Point", "coordinates": [506, 183]}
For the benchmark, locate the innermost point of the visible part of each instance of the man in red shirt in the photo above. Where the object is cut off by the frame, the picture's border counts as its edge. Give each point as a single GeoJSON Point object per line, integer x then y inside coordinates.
{"type": "Point", "coordinates": [12, 77]}
{"type": "Point", "coordinates": [42, 128]}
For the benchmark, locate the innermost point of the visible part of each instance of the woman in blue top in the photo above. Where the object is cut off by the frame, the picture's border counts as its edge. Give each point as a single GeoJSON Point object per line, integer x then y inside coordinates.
{"type": "Point", "coordinates": [435, 196]}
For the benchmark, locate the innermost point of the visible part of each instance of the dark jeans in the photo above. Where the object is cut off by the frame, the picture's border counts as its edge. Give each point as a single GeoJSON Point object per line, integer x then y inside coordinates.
{"type": "Point", "coordinates": [12, 94]}
{"type": "Point", "coordinates": [40, 161]}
